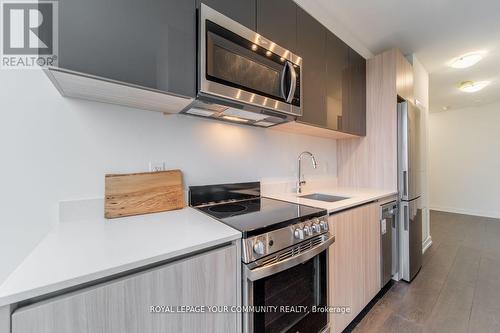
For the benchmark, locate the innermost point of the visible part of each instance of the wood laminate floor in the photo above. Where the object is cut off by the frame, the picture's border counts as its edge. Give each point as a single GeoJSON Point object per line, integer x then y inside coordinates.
{"type": "Point", "coordinates": [458, 287]}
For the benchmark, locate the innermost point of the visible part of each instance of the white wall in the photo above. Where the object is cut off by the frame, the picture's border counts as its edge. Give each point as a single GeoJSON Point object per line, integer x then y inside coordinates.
{"type": "Point", "coordinates": [465, 160]}
{"type": "Point", "coordinates": [54, 148]}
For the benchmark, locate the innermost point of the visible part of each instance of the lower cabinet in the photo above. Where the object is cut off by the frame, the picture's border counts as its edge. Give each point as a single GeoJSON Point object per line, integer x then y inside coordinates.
{"type": "Point", "coordinates": [124, 305]}
{"type": "Point", "coordinates": [354, 262]}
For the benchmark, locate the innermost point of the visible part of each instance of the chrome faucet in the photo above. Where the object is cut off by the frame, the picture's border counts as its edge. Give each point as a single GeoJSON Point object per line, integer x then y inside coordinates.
{"type": "Point", "coordinates": [301, 181]}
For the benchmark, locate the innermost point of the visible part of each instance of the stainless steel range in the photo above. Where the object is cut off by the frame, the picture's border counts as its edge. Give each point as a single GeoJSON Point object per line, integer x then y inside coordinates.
{"type": "Point", "coordinates": [284, 256]}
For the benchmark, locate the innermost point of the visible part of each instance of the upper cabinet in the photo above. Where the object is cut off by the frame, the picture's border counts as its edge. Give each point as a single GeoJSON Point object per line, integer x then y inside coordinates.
{"type": "Point", "coordinates": [150, 43]}
{"type": "Point", "coordinates": [277, 21]}
{"type": "Point", "coordinates": [334, 75]}
{"type": "Point", "coordinates": [311, 46]}
{"type": "Point", "coordinates": [144, 55]}
{"type": "Point", "coordinates": [337, 88]}
{"type": "Point", "coordinates": [404, 77]}
{"type": "Point", "coordinates": [242, 11]}
{"type": "Point", "coordinates": [354, 96]}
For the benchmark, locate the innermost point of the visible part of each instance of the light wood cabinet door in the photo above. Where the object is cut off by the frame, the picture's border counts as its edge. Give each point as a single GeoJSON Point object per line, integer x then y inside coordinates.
{"type": "Point", "coordinates": [354, 267]}
{"type": "Point", "coordinates": [371, 252]}
{"type": "Point", "coordinates": [123, 306]}
{"type": "Point", "coordinates": [404, 77]}
{"type": "Point", "coordinates": [340, 257]}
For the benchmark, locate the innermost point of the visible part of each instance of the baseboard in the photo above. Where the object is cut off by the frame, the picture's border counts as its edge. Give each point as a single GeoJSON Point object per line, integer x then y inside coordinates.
{"type": "Point", "coordinates": [426, 244]}
{"type": "Point", "coordinates": [466, 211]}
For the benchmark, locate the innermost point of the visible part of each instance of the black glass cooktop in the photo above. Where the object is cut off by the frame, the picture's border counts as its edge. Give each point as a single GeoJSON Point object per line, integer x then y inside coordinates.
{"type": "Point", "coordinates": [252, 215]}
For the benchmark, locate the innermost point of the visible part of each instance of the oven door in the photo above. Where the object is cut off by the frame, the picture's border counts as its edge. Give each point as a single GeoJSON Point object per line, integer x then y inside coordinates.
{"type": "Point", "coordinates": [238, 64]}
{"type": "Point", "coordinates": [290, 290]}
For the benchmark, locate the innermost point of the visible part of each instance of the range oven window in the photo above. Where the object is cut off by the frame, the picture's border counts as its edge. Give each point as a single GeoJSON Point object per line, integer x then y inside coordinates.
{"type": "Point", "coordinates": [234, 61]}
{"type": "Point", "coordinates": [301, 285]}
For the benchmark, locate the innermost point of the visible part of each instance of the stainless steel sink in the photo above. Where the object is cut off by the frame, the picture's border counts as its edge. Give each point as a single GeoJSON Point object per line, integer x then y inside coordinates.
{"type": "Point", "coordinates": [323, 197]}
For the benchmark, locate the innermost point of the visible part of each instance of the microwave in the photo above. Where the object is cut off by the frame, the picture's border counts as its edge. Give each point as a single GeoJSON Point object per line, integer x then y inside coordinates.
{"type": "Point", "coordinates": [242, 76]}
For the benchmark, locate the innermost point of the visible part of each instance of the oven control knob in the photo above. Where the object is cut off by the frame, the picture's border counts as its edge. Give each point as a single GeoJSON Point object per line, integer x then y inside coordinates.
{"type": "Point", "coordinates": [259, 248]}
{"type": "Point", "coordinates": [298, 233]}
{"type": "Point", "coordinates": [316, 228]}
{"type": "Point", "coordinates": [324, 226]}
{"type": "Point", "coordinates": [307, 230]}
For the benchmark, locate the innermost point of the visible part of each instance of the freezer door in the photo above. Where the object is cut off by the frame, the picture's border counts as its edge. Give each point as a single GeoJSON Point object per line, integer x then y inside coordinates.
{"type": "Point", "coordinates": [411, 238]}
{"type": "Point", "coordinates": [409, 150]}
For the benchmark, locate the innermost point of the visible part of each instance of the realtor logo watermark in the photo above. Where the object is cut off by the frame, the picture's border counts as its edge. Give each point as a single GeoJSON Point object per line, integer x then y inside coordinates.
{"type": "Point", "coordinates": [29, 34]}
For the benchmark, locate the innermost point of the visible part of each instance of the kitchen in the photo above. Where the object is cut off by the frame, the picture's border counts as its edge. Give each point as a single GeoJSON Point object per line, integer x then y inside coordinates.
{"type": "Point", "coordinates": [296, 183]}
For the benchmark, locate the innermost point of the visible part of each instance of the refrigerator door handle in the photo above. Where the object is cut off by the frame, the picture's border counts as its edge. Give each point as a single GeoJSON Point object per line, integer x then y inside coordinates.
{"type": "Point", "coordinates": [405, 210]}
{"type": "Point", "coordinates": [405, 183]}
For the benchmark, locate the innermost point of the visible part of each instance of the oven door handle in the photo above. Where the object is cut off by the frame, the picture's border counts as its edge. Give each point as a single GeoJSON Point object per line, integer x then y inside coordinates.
{"type": "Point", "coordinates": [265, 271]}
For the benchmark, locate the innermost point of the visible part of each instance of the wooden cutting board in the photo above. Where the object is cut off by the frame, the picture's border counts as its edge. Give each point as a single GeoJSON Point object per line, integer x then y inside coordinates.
{"type": "Point", "coordinates": [143, 193]}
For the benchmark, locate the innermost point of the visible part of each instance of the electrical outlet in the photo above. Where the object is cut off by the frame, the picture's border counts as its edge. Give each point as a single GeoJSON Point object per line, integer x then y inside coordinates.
{"type": "Point", "coordinates": [156, 166]}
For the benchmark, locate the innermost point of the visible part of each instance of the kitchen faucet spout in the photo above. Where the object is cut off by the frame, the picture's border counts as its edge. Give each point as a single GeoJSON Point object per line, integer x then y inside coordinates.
{"type": "Point", "coordinates": [300, 177]}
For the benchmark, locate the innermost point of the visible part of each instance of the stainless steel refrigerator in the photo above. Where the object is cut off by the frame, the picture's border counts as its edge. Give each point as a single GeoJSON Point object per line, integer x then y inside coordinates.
{"type": "Point", "coordinates": [409, 190]}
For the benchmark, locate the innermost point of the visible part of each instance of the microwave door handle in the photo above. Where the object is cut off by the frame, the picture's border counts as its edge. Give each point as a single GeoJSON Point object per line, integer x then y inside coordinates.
{"type": "Point", "coordinates": [282, 79]}
{"type": "Point", "coordinates": [293, 82]}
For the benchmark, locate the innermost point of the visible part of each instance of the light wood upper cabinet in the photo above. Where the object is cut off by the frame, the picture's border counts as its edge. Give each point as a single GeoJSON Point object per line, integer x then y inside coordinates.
{"type": "Point", "coordinates": [354, 262]}
{"type": "Point", "coordinates": [404, 77]}
{"type": "Point", "coordinates": [123, 305]}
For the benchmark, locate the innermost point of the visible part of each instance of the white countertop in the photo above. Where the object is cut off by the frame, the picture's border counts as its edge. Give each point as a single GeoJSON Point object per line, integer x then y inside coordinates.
{"type": "Point", "coordinates": [355, 197]}
{"type": "Point", "coordinates": [78, 252]}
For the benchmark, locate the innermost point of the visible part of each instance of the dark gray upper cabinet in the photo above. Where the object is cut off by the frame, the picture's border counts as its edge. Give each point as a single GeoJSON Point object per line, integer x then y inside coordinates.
{"type": "Point", "coordinates": [346, 88]}
{"type": "Point", "coordinates": [242, 11]}
{"type": "Point", "coordinates": [337, 64]}
{"type": "Point", "coordinates": [311, 46]}
{"type": "Point", "coordinates": [151, 43]}
{"type": "Point", "coordinates": [354, 100]}
{"type": "Point", "coordinates": [277, 21]}
{"type": "Point", "coordinates": [334, 79]}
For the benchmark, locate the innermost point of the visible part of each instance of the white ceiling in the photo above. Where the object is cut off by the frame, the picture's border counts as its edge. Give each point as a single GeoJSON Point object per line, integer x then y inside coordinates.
{"type": "Point", "coordinates": [435, 30]}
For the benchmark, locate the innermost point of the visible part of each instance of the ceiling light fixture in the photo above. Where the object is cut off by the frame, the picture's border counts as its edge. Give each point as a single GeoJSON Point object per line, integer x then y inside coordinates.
{"type": "Point", "coordinates": [471, 86]}
{"type": "Point", "coordinates": [466, 60]}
